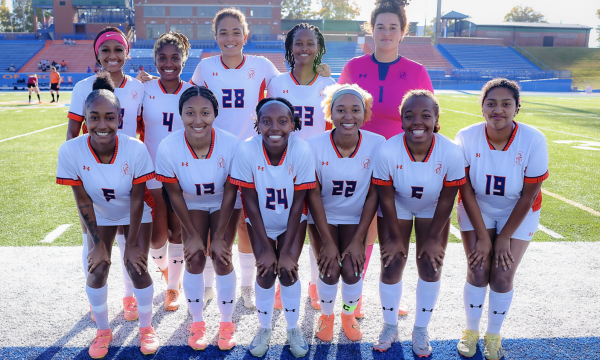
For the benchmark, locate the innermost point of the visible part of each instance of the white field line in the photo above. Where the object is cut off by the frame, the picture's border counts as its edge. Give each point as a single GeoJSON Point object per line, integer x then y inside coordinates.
{"type": "Point", "coordinates": [454, 231]}
{"type": "Point", "coordinates": [43, 111]}
{"type": "Point", "coordinates": [571, 202]}
{"type": "Point", "coordinates": [55, 233]}
{"type": "Point", "coordinates": [550, 232]}
{"type": "Point", "coordinates": [19, 111]}
{"type": "Point", "coordinates": [33, 132]}
{"type": "Point", "coordinates": [565, 114]}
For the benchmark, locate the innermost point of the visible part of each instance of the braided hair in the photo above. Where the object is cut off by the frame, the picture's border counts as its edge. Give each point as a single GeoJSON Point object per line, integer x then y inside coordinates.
{"type": "Point", "coordinates": [502, 83]}
{"type": "Point", "coordinates": [199, 91]}
{"type": "Point", "coordinates": [289, 40]}
{"type": "Point", "coordinates": [174, 38]}
{"type": "Point", "coordinates": [103, 87]}
{"type": "Point", "coordinates": [388, 6]}
{"type": "Point", "coordinates": [105, 30]}
{"type": "Point", "coordinates": [265, 101]}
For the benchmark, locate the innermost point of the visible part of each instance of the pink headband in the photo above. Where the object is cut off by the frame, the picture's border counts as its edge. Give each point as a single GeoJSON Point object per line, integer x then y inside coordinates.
{"type": "Point", "coordinates": [111, 35]}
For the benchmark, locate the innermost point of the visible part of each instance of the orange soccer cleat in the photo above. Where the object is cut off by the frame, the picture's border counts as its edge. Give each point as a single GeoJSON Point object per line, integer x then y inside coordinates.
{"type": "Point", "coordinates": [226, 338]}
{"type": "Point", "coordinates": [403, 309]}
{"type": "Point", "coordinates": [148, 340]}
{"type": "Point", "coordinates": [314, 296]}
{"type": "Point", "coordinates": [359, 312]}
{"type": "Point", "coordinates": [351, 327]}
{"type": "Point", "coordinates": [171, 300]}
{"type": "Point", "coordinates": [324, 330]}
{"type": "Point", "coordinates": [197, 340]}
{"type": "Point", "coordinates": [278, 305]}
{"type": "Point", "coordinates": [130, 310]}
{"type": "Point", "coordinates": [99, 347]}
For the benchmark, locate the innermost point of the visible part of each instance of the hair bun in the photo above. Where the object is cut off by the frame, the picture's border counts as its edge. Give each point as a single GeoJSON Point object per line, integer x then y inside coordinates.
{"type": "Point", "coordinates": [103, 82]}
{"type": "Point", "coordinates": [392, 2]}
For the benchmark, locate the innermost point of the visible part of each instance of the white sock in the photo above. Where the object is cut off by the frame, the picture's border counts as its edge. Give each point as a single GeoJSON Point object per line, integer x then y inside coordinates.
{"type": "Point", "coordinates": [209, 272]}
{"type": "Point", "coordinates": [160, 257]}
{"type": "Point", "coordinates": [290, 299]}
{"type": "Point", "coordinates": [327, 294]}
{"type": "Point", "coordinates": [351, 296]}
{"type": "Point", "coordinates": [175, 265]}
{"type": "Point", "coordinates": [390, 301]}
{"type": "Point", "coordinates": [474, 297]}
{"type": "Point", "coordinates": [97, 298]}
{"type": "Point", "coordinates": [126, 279]}
{"type": "Point", "coordinates": [144, 299]}
{"type": "Point", "coordinates": [84, 254]}
{"type": "Point", "coordinates": [499, 305]}
{"type": "Point", "coordinates": [427, 295]}
{"type": "Point", "coordinates": [265, 299]}
{"type": "Point", "coordinates": [226, 295]}
{"type": "Point", "coordinates": [247, 266]}
{"type": "Point", "coordinates": [193, 288]}
{"type": "Point", "coordinates": [314, 269]}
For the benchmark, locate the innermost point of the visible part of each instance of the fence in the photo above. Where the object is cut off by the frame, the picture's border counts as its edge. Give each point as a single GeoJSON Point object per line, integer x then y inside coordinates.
{"type": "Point", "coordinates": [477, 75]}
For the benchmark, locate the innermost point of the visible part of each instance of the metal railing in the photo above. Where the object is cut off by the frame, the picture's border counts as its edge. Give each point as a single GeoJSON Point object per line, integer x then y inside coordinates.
{"type": "Point", "coordinates": [530, 57]}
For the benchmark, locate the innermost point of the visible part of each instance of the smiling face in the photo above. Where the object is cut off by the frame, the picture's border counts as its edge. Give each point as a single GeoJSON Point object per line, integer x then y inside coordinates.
{"type": "Point", "coordinates": [230, 36]}
{"type": "Point", "coordinates": [275, 124]}
{"type": "Point", "coordinates": [419, 119]}
{"type": "Point", "coordinates": [305, 47]}
{"type": "Point", "coordinates": [112, 55]}
{"type": "Point", "coordinates": [387, 32]}
{"type": "Point", "coordinates": [347, 114]}
{"type": "Point", "coordinates": [198, 115]}
{"type": "Point", "coordinates": [102, 119]}
{"type": "Point", "coordinates": [499, 108]}
{"type": "Point", "coordinates": [168, 62]}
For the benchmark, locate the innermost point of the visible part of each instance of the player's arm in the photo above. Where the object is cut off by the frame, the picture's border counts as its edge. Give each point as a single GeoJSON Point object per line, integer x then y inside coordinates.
{"type": "Point", "coordinates": [286, 261]}
{"type": "Point", "coordinates": [73, 129]}
{"type": "Point", "coordinates": [86, 211]}
{"type": "Point", "coordinates": [394, 245]}
{"type": "Point", "coordinates": [133, 253]}
{"type": "Point", "coordinates": [357, 246]}
{"type": "Point", "coordinates": [219, 249]}
{"type": "Point", "coordinates": [329, 255]}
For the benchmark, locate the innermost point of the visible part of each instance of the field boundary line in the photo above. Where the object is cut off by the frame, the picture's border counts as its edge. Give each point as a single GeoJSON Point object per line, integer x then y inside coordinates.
{"type": "Point", "coordinates": [571, 202]}
{"type": "Point", "coordinates": [52, 235]}
{"type": "Point", "coordinates": [33, 132]}
{"type": "Point", "coordinates": [550, 232]}
{"type": "Point", "coordinates": [454, 231]}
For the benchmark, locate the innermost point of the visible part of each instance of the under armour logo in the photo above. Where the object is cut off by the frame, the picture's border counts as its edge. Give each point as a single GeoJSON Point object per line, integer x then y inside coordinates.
{"type": "Point", "coordinates": [86, 168]}
{"type": "Point", "coordinates": [477, 155]}
{"type": "Point", "coordinates": [151, 97]}
{"type": "Point", "coordinates": [286, 91]}
{"type": "Point", "coordinates": [328, 302]}
{"type": "Point", "coordinates": [354, 301]}
{"type": "Point", "coordinates": [399, 167]}
{"type": "Point", "coordinates": [362, 75]}
{"type": "Point", "coordinates": [190, 300]}
{"type": "Point", "coordinates": [293, 310]}
{"type": "Point", "coordinates": [475, 306]}
{"type": "Point", "coordinates": [324, 162]}
{"type": "Point", "coordinates": [184, 164]}
{"type": "Point", "coordinates": [175, 261]}
{"type": "Point", "coordinates": [227, 302]}
{"type": "Point", "coordinates": [160, 257]}
{"type": "Point", "coordinates": [425, 310]}
{"type": "Point", "coordinates": [499, 313]}
{"type": "Point", "coordinates": [390, 309]}
{"type": "Point", "coordinates": [261, 312]}
{"type": "Point", "coordinates": [215, 74]}
{"type": "Point", "coordinates": [530, 234]}
{"type": "Point", "coordinates": [261, 168]}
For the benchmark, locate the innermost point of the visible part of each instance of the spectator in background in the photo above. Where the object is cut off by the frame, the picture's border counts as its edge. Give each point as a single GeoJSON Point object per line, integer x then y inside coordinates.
{"type": "Point", "coordinates": [73, 42]}
{"type": "Point", "coordinates": [54, 63]}
{"type": "Point", "coordinates": [66, 41]}
{"type": "Point", "coordinates": [132, 70]}
{"type": "Point", "coordinates": [89, 70]}
{"type": "Point", "coordinates": [96, 68]}
{"type": "Point", "coordinates": [141, 68]}
{"type": "Point", "coordinates": [54, 83]}
{"type": "Point", "coordinates": [40, 65]}
{"type": "Point", "coordinates": [63, 65]}
{"type": "Point", "coordinates": [11, 68]}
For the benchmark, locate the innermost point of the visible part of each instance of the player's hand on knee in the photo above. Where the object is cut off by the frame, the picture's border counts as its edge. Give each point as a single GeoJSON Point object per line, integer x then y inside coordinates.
{"type": "Point", "coordinates": [480, 253]}
{"type": "Point", "coordinates": [356, 254]}
{"type": "Point", "coordinates": [96, 256]}
{"type": "Point", "coordinates": [502, 254]}
{"type": "Point", "coordinates": [391, 248]}
{"type": "Point", "coordinates": [191, 246]}
{"type": "Point", "coordinates": [137, 257]}
{"type": "Point", "coordinates": [266, 263]}
{"type": "Point", "coordinates": [329, 256]}
{"type": "Point", "coordinates": [289, 266]}
{"type": "Point", "coordinates": [435, 251]}
{"type": "Point", "coordinates": [220, 252]}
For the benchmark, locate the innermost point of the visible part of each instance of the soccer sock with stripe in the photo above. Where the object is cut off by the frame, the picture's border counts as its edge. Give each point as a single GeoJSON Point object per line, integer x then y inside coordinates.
{"type": "Point", "coordinates": [84, 254]}
{"type": "Point", "coordinates": [175, 265]}
{"type": "Point", "coordinates": [144, 300]}
{"type": "Point", "coordinates": [327, 294]}
{"type": "Point", "coordinates": [226, 295]}
{"type": "Point", "coordinates": [97, 298]}
{"type": "Point", "coordinates": [247, 266]}
{"type": "Point", "coordinates": [160, 257]}
{"type": "Point", "coordinates": [126, 279]}
{"type": "Point", "coordinates": [265, 299]}
{"type": "Point", "coordinates": [193, 287]}
{"type": "Point", "coordinates": [498, 309]}
{"type": "Point", "coordinates": [473, 298]}
{"type": "Point", "coordinates": [290, 299]}
{"type": "Point", "coordinates": [427, 295]}
{"type": "Point", "coordinates": [351, 296]}
{"type": "Point", "coordinates": [314, 268]}
{"type": "Point", "coordinates": [209, 272]}
{"type": "Point", "coordinates": [390, 301]}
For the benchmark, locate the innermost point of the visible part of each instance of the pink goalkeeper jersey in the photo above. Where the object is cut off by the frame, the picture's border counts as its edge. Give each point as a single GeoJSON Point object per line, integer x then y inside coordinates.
{"type": "Point", "coordinates": [387, 82]}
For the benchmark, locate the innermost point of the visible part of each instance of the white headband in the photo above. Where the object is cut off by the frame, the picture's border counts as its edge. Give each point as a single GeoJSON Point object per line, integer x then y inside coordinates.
{"type": "Point", "coordinates": [277, 102]}
{"type": "Point", "coordinates": [346, 90]}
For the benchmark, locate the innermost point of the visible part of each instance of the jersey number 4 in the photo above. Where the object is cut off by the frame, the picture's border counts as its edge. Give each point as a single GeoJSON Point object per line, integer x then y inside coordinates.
{"type": "Point", "coordinates": [307, 111]}
{"type": "Point", "coordinates": [208, 189]}
{"type": "Point", "coordinates": [338, 188]}
{"type": "Point", "coordinates": [499, 184]}
{"type": "Point", "coordinates": [168, 120]}
{"type": "Point", "coordinates": [281, 198]}
{"type": "Point", "coordinates": [228, 95]}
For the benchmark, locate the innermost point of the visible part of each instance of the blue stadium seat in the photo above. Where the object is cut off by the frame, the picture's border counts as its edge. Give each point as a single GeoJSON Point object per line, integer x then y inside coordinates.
{"type": "Point", "coordinates": [145, 58]}
{"type": "Point", "coordinates": [486, 57]}
{"type": "Point", "coordinates": [339, 53]}
{"type": "Point", "coordinates": [18, 53]}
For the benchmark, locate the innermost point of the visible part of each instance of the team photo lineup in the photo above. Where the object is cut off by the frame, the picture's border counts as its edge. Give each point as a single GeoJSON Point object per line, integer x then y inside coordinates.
{"type": "Point", "coordinates": [223, 180]}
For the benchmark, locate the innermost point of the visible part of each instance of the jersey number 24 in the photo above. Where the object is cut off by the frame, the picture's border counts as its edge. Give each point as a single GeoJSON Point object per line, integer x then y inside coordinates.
{"type": "Point", "coordinates": [281, 198]}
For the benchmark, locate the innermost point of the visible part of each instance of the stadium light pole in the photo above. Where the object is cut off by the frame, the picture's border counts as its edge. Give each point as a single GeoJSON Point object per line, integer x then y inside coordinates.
{"type": "Point", "coordinates": [437, 23]}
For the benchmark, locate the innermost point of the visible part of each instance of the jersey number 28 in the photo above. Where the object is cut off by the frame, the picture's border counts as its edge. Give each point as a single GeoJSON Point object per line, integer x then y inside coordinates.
{"type": "Point", "coordinates": [228, 94]}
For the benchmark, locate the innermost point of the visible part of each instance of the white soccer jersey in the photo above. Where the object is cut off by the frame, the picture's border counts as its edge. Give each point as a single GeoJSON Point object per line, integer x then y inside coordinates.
{"type": "Point", "coordinates": [306, 100]}
{"type": "Point", "coordinates": [344, 181]}
{"type": "Point", "coordinates": [160, 114]}
{"type": "Point", "coordinates": [238, 90]}
{"type": "Point", "coordinates": [418, 184]}
{"type": "Point", "coordinates": [497, 177]}
{"type": "Point", "coordinates": [202, 180]}
{"type": "Point", "coordinates": [130, 94]}
{"type": "Point", "coordinates": [108, 185]}
{"type": "Point", "coordinates": [274, 184]}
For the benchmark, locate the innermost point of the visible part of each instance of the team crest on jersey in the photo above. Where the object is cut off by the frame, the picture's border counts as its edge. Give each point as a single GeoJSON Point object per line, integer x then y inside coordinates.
{"type": "Point", "coordinates": [402, 74]}
{"type": "Point", "coordinates": [125, 169]}
{"type": "Point", "coordinates": [321, 91]}
{"type": "Point", "coordinates": [290, 169]}
{"type": "Point", "coordinates": [251, 74]}
{"type": "Point", "coordinates": [221, 162]}
{"type": "Point", "coordinates": [438, 168]}
{"type": "Point", "coordinates": [134, 95]}
{"type": "Point", "coordinates": [519, 159]}
{"type": "Point", "coordinates": [366, 162]}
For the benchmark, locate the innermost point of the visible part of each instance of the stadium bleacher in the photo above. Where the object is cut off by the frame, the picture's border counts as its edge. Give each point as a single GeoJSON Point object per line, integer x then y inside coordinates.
{"type": "Point", "coordinates": [422, 52]}
{"type": "Point", "coordinates": [488, 57]}
{"type": "Point", "coordinates": [145, 58]}
{"type": "Point", "coordinates": [339, 53]}
{"type": "Point", "coordinates": [18, 53]}
{"type": "Point", "coordinates": [78, 57]}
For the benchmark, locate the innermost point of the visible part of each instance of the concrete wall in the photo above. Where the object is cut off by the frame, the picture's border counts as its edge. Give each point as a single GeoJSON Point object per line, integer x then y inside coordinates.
{"type": "Point", "coordinates": [471, 41]}
{"type": "Point", "coordinates": [533, 36]}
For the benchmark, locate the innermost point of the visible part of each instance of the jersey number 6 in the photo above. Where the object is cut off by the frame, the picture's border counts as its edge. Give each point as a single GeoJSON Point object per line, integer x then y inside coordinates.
{"type": "Point", "coordinates": [281, 198]}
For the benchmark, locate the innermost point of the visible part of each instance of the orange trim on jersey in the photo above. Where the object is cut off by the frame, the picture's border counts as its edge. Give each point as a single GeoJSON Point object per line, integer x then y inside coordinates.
{"type": "Point", "coordinates": [75, 117]}
{"type": "Point", "coordinates": [455, 182]}
{"type": "Point", "coordinates": [410, 155]}
{"type": "Point", "coordinates": [305, 206]}
{"type": "Point", "coordinates": [269, 160]}
{"type": "Point", "coordinates": [382, 182]}
{"type": "Point", "coordinates": [144, 178]}
{"type": "Point", "coordinates": [112, 160]}
{"type": "Point", "coordinates": [212, 142]}
{"type": "Point", "coordinates": [165, 91]}
{"type": "Point", "coordinates": [298, 82]}
{"type": "Point", "coordinates": [241, 183]}
{"type": "Point", "coordinates": [189, 146]}
{"type": "Point", "coordinates": [71, 182]}
{"type": "Point", "coordinates": [149, 200]}
{"type": "Point", "coordinates": [124, 82]}
{"type": "Point", "coordinates": [179, 88]}
{"type": "Point", "coordinates": [261, 93]}
{"type": "Point", "coordinates": [191, 82]}
{"type": "Point", "coordinates": [510, 139]}
{"type": "Point", "coordinates": [328, 125]}
{"type": "Point", "coordinates": [467, 169]}
{"type": "Point", "coordinates": [237, 67]}
{"type": "Point", "coordinates": [306, 186]}
{"type": "Point", "coordinates": [338, 152]}
{"type": "Point", "coordinates": [537, 203]}
{"type": "Point", "coordinates": [166, 179]}
{"type": "Point", "coordinates": [536, 179]}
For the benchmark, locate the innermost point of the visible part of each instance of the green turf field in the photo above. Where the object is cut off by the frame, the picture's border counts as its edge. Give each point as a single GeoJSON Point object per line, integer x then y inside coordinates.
{"type": "Point", "coordinates": [32, 204]}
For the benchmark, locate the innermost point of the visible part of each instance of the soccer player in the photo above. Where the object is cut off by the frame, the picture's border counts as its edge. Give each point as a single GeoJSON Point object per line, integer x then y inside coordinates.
{"type": "Point", "coordinates": [417, 174]}
{"type": "Point", "coordinates": [108, 171]}
{"type": "Point", "coordinates": [111, 48]}
{"type": "Point", "coordinates": [160, 118]}
{"type": "Point", "coordinates": [343, 163]}
{"type": "Point", "coordinates": [193, 164]}
{"type": "Point", "coordinates": [388, 77]}
{"type": "Point", "coordinates": [32, 83]}
{"type": "Point", "coordinates": [54, 83]}
{"type": "Point", "coordinates": [275, 169]}
{"type": "Point", "coordinates": [304, 87]}
{"type": "Point", "coordinates": [498, 209]}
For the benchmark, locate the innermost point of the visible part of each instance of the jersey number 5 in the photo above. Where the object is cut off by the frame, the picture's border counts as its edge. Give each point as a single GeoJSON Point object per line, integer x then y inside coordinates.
{"type": "Point", "coordinates": [309, 112]}
{"type": "Point", "coordinates": [109, 194]}
{"type": "Point", "coordinates": [168, 120]}
{"type": "Point", "coordinates": [499, 184]}
{"type": "Point", "coordinates": [338, 188]}
{"type": "Point", "coordinates": [238, 102]}
{"type": "Point", "coordinates": [281, 198]}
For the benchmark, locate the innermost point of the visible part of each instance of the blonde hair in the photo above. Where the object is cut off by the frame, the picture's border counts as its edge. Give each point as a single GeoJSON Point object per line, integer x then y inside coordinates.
{"type": "Point", "coordinates": [330, 90]}
{"type": "Point", "coordinates": [234, 13]}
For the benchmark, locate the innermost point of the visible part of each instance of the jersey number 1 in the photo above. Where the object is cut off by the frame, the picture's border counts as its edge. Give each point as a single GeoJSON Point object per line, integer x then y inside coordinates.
{"type": "Point", "coordinates": [168, 120]}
